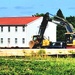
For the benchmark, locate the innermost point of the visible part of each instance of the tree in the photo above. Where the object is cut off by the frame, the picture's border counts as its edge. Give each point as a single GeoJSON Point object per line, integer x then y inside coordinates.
{"type": "Point", "coordinates": [60, 30]}
{"type": "Point", "coordinates": [59, 13]}
{"type": "Point", "coordinates": [37, 14]}
{"type": "Point", "coordinates": [71, 20]}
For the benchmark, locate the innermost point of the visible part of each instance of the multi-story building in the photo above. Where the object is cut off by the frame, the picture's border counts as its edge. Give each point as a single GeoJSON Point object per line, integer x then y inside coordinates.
{"type": "Point", "coordinates": [17, 31]}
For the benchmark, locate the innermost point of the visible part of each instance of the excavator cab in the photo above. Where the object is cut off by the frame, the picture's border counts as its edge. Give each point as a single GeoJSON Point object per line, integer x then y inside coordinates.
{"type": "Point", "coordinates": [70, 39]}
{"type": "Point", "coordinates": [41, 42]}
{"type": "Point", "coordinates": [36, 38]}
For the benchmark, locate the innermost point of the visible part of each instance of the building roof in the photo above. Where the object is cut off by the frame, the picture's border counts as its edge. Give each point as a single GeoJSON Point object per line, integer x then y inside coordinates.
{"type": "Point", "coordinates": [5, 21]}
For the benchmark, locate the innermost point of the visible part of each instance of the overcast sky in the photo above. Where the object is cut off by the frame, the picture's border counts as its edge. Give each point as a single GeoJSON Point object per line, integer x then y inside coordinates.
{"type": "Point", "coordinates": [30, 7]}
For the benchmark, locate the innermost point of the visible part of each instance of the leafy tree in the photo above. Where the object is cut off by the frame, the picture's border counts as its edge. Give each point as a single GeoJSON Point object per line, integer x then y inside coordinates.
{"type": "Point", "coordinates": [60, 29]}
{"type": "Point", "coordinates": [71, 19]}
{"type": "Point", "coordinates": [37, 14]}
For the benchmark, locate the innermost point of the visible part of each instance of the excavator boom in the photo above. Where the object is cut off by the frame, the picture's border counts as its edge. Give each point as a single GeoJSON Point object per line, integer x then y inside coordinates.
{"type": "Point", "coordinates": [63, 22]}
{"type": "Point", "coordinates": [43, 25]}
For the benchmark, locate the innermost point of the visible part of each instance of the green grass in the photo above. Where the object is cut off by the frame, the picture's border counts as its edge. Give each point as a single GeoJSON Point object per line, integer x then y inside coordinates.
{"type": "Point", "coordinates": [48, 66]}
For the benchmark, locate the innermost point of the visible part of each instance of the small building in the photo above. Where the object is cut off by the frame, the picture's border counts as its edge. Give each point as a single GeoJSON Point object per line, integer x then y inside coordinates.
{"type": "Point", "coordinates": [18, 31]}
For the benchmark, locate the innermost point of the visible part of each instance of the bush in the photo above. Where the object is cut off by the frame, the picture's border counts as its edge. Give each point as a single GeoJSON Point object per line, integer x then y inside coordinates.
{"type": "Point", "coordinates": [41, 52]}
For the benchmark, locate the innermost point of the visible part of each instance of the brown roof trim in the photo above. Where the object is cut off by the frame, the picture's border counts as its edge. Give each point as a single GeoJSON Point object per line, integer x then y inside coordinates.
{"type": "Point", "coordinates": [14, 25]}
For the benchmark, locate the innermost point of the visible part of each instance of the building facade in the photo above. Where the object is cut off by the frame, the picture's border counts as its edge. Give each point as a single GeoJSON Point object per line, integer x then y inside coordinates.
{"type": "Point", "coordinates": [17, 31]}
{"type": "Point", "coordinates": [12, 36]}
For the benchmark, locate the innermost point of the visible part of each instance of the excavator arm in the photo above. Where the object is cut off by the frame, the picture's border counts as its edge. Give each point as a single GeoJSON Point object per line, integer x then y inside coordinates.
{"type": "Point", "coordinates": [61, 21]}
{"type": "Point", "coordinates": [44, 24]}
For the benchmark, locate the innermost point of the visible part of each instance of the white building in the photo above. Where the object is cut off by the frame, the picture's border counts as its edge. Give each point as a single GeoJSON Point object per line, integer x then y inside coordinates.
{"type": "Point", "coordinates": [17, 31]}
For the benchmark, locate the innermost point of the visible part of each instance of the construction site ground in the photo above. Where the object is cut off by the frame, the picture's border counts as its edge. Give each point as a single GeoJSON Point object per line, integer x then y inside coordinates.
{"type": "Point", "coordinates": [29, 52]}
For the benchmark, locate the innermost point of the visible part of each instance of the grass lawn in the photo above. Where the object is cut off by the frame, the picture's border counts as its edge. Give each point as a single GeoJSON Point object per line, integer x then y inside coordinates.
{"type": "Point", "coordinates": [47, 66]}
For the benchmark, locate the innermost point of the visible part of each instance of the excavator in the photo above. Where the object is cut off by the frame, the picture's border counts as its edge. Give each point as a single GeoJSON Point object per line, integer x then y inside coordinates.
{"type": "Point", "coordinates": [39, 41]}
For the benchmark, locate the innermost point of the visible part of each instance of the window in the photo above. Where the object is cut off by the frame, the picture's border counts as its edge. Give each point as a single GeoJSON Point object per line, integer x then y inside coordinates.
{"type": "Point", "coordinates": [15, 40]}
{"type": "Point", "coordinates": [23, 28]}
{"type": "Point", "coordinates": [1, 40]}
{"type": "Point", "coordinates": [9, 29]}
{"type": "Point", "coordinates": [8, 40]}
{"type": "Point", "coordinates": [16, 28]}
{"type": "Point", "coordinates": [23, 40]}
{"type": "Point", "coordinates": [1, 28]}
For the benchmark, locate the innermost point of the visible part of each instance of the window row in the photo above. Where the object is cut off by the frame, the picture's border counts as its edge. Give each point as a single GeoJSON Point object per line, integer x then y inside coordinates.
{"type": "Point", "coordinates": [9, 40]}
{"type": "Point", "coordinates": [16, 28]}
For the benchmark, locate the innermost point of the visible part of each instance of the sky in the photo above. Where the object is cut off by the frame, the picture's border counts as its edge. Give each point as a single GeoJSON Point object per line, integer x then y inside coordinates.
{"type": "Point", "coordinates": [12, 8]}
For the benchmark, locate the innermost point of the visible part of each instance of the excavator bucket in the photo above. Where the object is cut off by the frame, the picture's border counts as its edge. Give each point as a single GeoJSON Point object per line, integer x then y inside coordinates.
{"type": "Point", "coordinates": [31, 44]}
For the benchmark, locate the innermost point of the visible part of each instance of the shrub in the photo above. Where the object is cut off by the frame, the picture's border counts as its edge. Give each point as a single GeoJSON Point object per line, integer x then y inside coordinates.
{"type": "Point", "coordinates": [41, 52]}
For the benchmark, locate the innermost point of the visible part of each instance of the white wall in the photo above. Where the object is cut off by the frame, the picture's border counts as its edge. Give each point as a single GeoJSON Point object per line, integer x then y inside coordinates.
{"type": "Point", "coordinates": [12, 35]}
{"type": "Point", "coordinates": [51, 32]}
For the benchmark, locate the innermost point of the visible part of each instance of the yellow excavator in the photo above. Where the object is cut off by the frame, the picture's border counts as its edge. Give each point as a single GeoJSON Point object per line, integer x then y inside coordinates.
{"type": "Point", "coordinates": [39, 41]}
